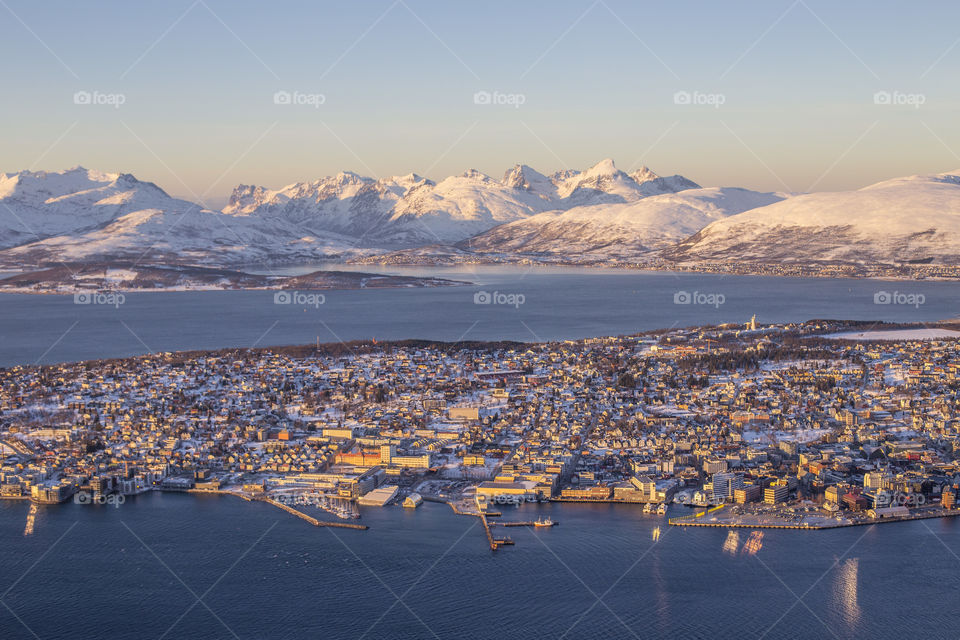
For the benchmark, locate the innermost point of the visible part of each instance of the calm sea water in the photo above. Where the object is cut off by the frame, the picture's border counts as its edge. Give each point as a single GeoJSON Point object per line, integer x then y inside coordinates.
{"type": "Point", "coordinates": [555, 304]}
{"type": "Point", "coordinates": [136, 571]}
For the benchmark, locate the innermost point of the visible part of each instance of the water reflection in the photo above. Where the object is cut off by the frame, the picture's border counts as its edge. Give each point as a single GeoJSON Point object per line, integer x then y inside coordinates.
{"type": "Point", "coordinates": [845, 591]}
{"type": "Point", "coordinates": [732, 543]}
{"type": "Point", "coordinates": [753, 544]}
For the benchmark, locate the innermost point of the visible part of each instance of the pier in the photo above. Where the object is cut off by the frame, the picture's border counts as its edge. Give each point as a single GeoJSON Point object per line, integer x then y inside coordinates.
{"type": "Point", "coordinates": [486, 528]}
{"type": "Point", "coordinates": [312, 520]}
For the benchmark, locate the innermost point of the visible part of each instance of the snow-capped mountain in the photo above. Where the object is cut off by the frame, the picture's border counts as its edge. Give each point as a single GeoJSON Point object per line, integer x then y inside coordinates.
{"type": "Point", "coordinates": [903, 220]}
{"type": "Point", "coordinates": [84, 215]}
{"type": "Point", "coordinates": [41, 204]}
{"type": "Point", "coordinates": [410, 210]}
{"type": "Point", "coordinates": [619, 230]}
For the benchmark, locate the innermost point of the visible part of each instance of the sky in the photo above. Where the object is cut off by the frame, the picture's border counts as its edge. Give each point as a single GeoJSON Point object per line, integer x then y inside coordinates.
{"type": "Point", "coordinates": [199, 96]}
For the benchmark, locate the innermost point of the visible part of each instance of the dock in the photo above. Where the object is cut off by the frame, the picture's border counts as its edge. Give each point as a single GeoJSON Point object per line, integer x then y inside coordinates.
{"type": "Point", "coordinates": [312, 520]}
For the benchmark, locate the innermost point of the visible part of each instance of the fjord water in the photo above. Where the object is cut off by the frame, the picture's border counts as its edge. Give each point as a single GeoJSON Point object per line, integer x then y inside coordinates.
{"type": "Point", "coordinates": [133, 570]}
{"type": "Point", "coordinates": [556, 303]}
{"type": "Point", "coordinates": [137, 569]}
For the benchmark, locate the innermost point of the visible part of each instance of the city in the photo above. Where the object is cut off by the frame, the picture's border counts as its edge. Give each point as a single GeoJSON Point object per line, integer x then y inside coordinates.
{"type": "Point", "coordinates": [807, 425]}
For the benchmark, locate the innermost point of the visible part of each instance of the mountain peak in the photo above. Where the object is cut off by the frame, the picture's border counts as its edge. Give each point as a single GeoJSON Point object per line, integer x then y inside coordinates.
{"type": "Point", "coordinates": [644, 174]}
{"type": "Point", "coordinates": [605, 167]}
{"type": "Point", "coordinates": [474, 175]}
{"type": "Point", "coordinates": [522, 176]}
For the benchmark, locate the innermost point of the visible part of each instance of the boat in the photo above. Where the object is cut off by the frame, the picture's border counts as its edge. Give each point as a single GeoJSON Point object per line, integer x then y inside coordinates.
{"type": "Point", "coordinates": [662, 509]}
{"type": "Point", "coordinates": [647, 508]}
{"type": "Point", "coordinates": [543, 523]}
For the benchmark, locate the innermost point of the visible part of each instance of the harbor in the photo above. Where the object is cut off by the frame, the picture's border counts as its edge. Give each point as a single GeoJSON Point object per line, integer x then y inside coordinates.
{"type": "Point", "coordinates": [716, 518]}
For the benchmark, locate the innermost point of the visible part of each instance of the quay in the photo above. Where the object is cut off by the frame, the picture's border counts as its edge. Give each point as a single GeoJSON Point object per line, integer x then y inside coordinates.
{"type": "Point", "coordinates": [691, 521]}
{"type": "Point", "coordinates": [601, 500]}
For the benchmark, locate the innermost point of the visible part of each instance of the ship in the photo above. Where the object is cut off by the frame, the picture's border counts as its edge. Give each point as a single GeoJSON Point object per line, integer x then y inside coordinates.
{"type": "Point", "coordinates": [544, 523]}
{"type": "Point", "coordinates": [647, 508]}
{"type": "Point", "coordinates": [662, 509]}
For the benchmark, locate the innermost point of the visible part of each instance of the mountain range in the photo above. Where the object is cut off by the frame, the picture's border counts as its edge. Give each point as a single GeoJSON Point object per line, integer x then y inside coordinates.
{"type": "Point", "coordinates": [601, 214]}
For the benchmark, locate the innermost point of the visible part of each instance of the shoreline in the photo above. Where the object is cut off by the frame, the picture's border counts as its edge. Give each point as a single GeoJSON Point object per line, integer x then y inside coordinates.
{"type": "Point", "coordinates": [691, 521]}
{"type": "Point", "coordinates": [761, 271]}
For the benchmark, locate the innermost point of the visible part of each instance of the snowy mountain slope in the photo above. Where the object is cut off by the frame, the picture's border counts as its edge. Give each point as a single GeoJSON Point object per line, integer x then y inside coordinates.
{"type": "Point", "coordinates": [198, 236]}
{"type": "Point", "coordinates": [909, 219]}
{"type": "Point", "coordinates": [619, 230]}
{"type": "Point", "coordinates": [411, 211]}
{"type": "Point", "coordinates": [41, 204]}
{"type": "Point", "coordinates": [86, 215]}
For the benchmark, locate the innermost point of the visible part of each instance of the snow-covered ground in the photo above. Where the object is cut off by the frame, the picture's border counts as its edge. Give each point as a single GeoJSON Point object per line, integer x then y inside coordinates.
{"type": "Point", "coordinates": [897, 334]}
{"type": "Point", "coordinates": [913, 218]}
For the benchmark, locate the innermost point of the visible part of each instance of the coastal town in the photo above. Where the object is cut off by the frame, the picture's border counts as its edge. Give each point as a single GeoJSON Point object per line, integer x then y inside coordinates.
{"type": "Point", "coordinates": [810, 425]}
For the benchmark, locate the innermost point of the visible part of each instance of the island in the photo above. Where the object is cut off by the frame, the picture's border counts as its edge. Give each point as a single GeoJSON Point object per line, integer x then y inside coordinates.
{"type": "Point", "coordinates": [806, 426]}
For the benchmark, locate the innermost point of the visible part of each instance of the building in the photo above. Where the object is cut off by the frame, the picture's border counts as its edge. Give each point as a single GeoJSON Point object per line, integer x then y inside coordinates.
{"type": "Point", "coordinates": [724, 485]}
{"type": "Point", "coordinates": [387, 453]}
{"type": "Point", "coordinates": [776, 493]}
{"type": "Point", "coordinates": [464, 413]}
{"type": "Point", "coordinates": [751, 493]}
{"type": "Point", "coordinates": [411, 462]}
{"type": "Point", "coordinates": [948, 499]}
{"type": "Point", "coordinates": [885, 513]}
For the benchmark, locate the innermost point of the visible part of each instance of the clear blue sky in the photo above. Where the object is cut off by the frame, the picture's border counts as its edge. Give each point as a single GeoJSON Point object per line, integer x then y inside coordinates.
{"type": "Point", "coordinates": [797, 82]}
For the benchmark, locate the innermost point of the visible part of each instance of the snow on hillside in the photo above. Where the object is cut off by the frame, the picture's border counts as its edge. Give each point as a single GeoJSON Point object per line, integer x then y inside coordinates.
{"type": "Point", "coordinates": [80, 214]}
{"type": "Point", "coordinates": [620, 230]}
{"type": "Point", "coordinates": [910, 219]}
{"type": "Point", "coordinates": [41, 204]}
{"type": "Point", "coordinates": [412, 211]}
